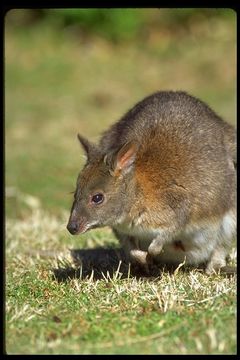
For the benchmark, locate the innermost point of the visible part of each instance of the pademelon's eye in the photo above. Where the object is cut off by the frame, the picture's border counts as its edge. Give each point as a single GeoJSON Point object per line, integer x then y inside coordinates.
{"type": "Point", "coordinates": [97, 198]}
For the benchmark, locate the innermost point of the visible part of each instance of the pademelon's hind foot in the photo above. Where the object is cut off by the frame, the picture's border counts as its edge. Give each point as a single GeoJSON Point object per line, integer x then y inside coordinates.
{"type": "Point", "coordinates": [228, 270]}
{"type": "Point", "coordinates": [217, 261]}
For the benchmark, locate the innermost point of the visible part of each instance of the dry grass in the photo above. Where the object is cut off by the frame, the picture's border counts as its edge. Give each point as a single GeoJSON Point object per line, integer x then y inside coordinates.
{"type": "Point", "coordinates": [122, 311]}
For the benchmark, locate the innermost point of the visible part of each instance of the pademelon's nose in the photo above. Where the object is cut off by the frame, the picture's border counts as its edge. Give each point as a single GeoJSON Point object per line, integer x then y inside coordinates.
{"type": "Point", "coordinates": [73, 227]}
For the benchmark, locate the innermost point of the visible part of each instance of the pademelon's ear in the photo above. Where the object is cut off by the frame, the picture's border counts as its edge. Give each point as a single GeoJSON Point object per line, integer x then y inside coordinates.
{"type": "Point", "coordinates": [89, 148]}
{"type": "Point", "coordinates": [125, 157]}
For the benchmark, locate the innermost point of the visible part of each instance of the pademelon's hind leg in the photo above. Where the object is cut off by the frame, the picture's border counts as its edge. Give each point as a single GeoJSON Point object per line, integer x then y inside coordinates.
{"type": "Point", "coordinates": [226, 233]}
{"type": "Point", "coordinates": [217, 260]}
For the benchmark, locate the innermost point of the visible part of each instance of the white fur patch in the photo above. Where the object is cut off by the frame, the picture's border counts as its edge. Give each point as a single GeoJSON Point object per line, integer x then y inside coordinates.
{"type": "Point", "coordinates": [198, 240]}
{"type": "Point", "coordinates": [229, 224]}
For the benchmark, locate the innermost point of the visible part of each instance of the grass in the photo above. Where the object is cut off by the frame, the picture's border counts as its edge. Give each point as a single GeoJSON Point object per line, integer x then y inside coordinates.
{"type": "Point", "coordinates": [57, 304]}
{"type": "Point", "coordinates": [77, 295]}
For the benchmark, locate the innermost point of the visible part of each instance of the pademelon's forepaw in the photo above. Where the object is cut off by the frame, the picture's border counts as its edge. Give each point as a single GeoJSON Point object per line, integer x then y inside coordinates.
{"type": "Point", "coordinates": [139, 257]}
{"type": "Point", "coordinates": [154, 249]}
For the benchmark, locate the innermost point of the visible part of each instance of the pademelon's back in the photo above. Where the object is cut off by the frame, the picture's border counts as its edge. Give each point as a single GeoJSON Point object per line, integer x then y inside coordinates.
{"type": "Point", "coordinates": [182, 142]}
{"type": "Point", "coordinates": [166, 113]}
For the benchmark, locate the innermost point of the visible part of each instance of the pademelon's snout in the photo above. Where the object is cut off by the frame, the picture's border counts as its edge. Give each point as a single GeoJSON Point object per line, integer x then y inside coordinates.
{"type": "Point", "coordinates": [72, 227]}
{"type": "Point", "coordinates": [77, 226]}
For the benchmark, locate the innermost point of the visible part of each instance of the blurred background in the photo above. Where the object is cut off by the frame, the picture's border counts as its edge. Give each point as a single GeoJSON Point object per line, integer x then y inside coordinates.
{"type": "Point", "coordinates": [80, 70]}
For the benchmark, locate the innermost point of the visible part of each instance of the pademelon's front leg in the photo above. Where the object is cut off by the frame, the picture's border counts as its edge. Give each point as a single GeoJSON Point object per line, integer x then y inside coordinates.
{"type": "Point", "coordinates": [155, 247]}
{"type": "Point", "coordinates": [132, 249]}
{"type": "Point", "coordinates": [137, 256]}
{"type": "Point", "coordinates": [175, 216]}
{"type": "Point", "coordinates": [140, 257]}
{"type": "Point", "coordinates": [146, 258]}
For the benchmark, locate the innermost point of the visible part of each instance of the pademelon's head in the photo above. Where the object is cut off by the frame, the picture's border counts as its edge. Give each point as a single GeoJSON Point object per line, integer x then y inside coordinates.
{"type": "Point", "coordinates": [103, 191]}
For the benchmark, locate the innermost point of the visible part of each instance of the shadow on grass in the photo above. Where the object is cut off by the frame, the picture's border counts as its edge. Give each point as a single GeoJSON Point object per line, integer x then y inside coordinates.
{"type": "Point", "coordinates": [100, 263]}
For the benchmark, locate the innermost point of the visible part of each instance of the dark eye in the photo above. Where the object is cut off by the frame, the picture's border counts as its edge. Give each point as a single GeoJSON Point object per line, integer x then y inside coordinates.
{"type": "Point", "coordinates": [97, 198]}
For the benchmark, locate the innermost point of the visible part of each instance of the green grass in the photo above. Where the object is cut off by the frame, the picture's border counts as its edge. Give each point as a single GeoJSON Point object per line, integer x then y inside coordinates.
{"type": "Point", "coordinates": [57, 304]}
{"type": "Point", "coordinates": [60, 299]}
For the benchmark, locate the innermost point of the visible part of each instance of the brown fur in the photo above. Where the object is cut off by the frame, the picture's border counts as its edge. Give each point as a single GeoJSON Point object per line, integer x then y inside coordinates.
{"type": "Point", "coordinates": [167, 167]}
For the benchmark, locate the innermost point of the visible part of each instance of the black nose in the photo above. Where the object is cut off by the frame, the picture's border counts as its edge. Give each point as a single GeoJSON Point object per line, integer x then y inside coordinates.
{"type": "Point", "coordinates": [73, 227]}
